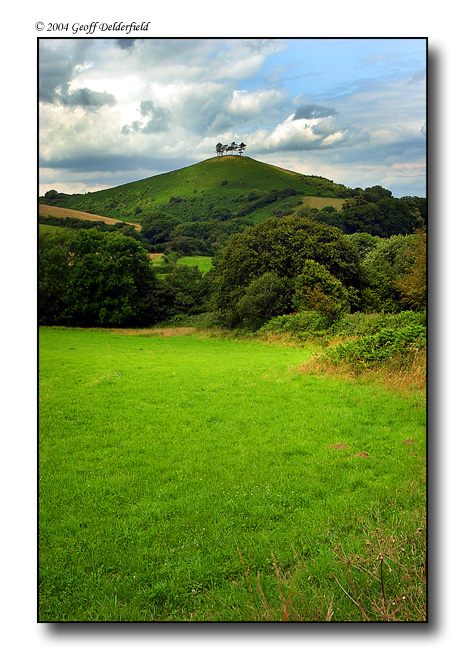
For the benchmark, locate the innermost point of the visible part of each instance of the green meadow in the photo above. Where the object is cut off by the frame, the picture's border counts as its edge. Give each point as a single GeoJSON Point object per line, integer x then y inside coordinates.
{"type": "Point", "coordinates": [204, 264]}
{"type": "Point", "coordinates": [186, 477]}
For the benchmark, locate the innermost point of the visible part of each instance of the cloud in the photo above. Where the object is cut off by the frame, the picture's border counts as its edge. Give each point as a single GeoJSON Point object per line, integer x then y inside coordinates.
{"type": "Point", "coordinates": [57, 69]}
{"type": "Point", "coordinates": [59, 59]}
{"type": "Point", "coordinates": [221, 123]}
{"type": "Point", "coordinates": [313, 111]}
{"type": "Point", "coordinates": [85, 98]}
{"type": "Point", "coordinates": [157, 120]}
{"type": "Point", "coordinates": [108, 105]}
{"type": "Point", "coordinates": [125, 44]}
{"type": "Point", "coordinates": [248, 104]}
{"type": "Point", "coordinates": [301, 134]}
{"type": "Point", "coordinates": [418, 77]}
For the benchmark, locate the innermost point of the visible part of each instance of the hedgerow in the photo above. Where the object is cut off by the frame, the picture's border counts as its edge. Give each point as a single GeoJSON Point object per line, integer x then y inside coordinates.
{"type": "Point", "coordinates": [402, 344]}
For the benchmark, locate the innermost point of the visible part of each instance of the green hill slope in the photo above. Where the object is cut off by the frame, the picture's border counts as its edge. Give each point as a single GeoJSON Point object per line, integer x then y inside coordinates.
{"type": "Point", "coordinates": [219, 188]}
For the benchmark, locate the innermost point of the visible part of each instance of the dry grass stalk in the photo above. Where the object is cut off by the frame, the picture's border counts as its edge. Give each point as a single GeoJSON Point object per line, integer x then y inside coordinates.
{"type": "Point", "coordinates": [393, 376]}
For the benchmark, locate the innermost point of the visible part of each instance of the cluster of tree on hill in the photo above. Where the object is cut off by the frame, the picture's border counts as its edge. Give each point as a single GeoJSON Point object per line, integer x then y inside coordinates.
{"type": "Point", "coordinates": [280, 266]}
{"type": "Point", "coordinates": [386, 217]}
{"type": "Point", "coordinates": [222, 149]}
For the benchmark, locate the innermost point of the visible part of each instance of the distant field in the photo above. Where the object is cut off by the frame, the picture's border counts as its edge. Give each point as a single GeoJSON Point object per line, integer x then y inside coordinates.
{"type": "Point", "coordinates": [191, 478]}
{"type": "Point", "coordinates": [321, 202]}
{"type": "Point", "coordinates": [204, 263]}
{"type": "Point", "coordinates": [58, 212]}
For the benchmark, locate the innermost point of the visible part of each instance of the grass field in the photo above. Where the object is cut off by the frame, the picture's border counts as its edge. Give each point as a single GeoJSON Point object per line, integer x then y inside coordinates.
{"type": "Point", "coordinates": [58, 212]}
{"type": "Point", "coordinates": [321, 202]}
{"type": "Point", "coordinates": [188, 477]}
{"type": "Point", "coordinates": [204, 263]}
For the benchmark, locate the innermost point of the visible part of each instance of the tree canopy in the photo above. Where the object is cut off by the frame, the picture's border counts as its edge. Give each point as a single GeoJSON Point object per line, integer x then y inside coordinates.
{"type": "Point", "coordinates": [222, 149]}
{"type": "Point", "coordinates": [282, 246]}
{"type": "Point", "coordinates": [96, 279]}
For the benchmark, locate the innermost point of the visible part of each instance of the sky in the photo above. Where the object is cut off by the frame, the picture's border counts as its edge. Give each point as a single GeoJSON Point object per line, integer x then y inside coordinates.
{"type": "Point", "coordinates": [112, 111]}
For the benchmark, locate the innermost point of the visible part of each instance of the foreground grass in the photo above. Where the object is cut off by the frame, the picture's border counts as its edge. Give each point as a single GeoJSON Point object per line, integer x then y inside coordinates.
{"type": "Point", "coordinates": [193, 478]}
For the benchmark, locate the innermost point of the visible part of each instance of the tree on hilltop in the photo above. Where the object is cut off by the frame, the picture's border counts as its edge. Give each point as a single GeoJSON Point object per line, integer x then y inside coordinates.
{"type": "Point", "coordinates": [221, 149]}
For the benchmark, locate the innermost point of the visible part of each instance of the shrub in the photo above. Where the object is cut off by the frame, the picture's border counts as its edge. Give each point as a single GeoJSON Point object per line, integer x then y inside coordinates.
{"type": "Point", "coordinates": [264, 298]}
{"type": "Point", "coordinates": [318, 290]}
{"type": "Point", "coordinates": [311, 324]}
{"type": "Point", "coordinates": [401, 343]}
{"type": "Point", "coordinates": [304, 325]}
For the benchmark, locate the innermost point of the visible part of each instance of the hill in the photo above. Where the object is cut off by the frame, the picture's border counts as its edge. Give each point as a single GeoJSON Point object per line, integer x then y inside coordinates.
{"type": "Point", "coordinates": [219, 188]}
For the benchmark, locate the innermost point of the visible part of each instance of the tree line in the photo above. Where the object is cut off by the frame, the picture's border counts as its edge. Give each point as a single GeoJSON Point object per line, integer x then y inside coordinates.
{"type": "Point", "coordinates": [279, 266]}
{"type": "Point", "coordinates": [222, 149]}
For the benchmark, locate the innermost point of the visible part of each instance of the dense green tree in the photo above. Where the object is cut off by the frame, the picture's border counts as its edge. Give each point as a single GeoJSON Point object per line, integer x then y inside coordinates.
{"type": "Point", "coordinates": [189, 290]}
{"type": "Point", "coordinates": [157, 226]}
{"type": "Point", "coordinates": [413, 284]}
{"type": "Point", "coordinates": [361, 216]}
{"type": "Point", "coordinates": [376, 194]}
{"type": "Point", "coordinates": [265, 297]}
{"type": "Point", "coordinates": [53, 275]}
{"type": "Point", "coordinates": [186, 245]}
{"type": "Point", "coordinates": [282, 246]}
{"type": "Point", "coordinates": [317, 290]}
{"type": "Point", "coordinates": [383, 266]}
{"type": "Point", "coordinates": [363, 242]}
{"type": "Point", "coordinates": [108, 275]}
{"type": "Point", "coordinates": [51, 194]}
{"type": "Point", "coordinates": [383, 216]}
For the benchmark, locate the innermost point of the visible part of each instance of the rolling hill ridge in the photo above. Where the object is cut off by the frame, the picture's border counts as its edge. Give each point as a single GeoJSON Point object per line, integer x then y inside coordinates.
{"type": "Point", "coordinates": [218, 188]}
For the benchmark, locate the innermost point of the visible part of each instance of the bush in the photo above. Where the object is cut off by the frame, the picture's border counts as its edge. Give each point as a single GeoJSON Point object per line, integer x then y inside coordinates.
{"type": "Point", "coordinates": [318, 290]}
{"type": "Point", "coordinates": [310, 325]}
{"type": "Point", "coordinates": [264, 298]}
{"type": "Point", "coordinates": [204, 321]}
{"type": "Point", "coordinates": [303, 326]}
{"type": "Point", "coordinates": [402, 343]}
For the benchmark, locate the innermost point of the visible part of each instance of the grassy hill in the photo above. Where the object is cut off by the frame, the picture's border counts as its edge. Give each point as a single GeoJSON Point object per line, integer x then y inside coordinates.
{"type": "Point", "coordinates": [219, 188]}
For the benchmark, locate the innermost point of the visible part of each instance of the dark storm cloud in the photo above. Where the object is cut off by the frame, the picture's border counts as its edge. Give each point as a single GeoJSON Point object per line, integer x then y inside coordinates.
{"type": "Point", "coordinates": [313, 111]}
